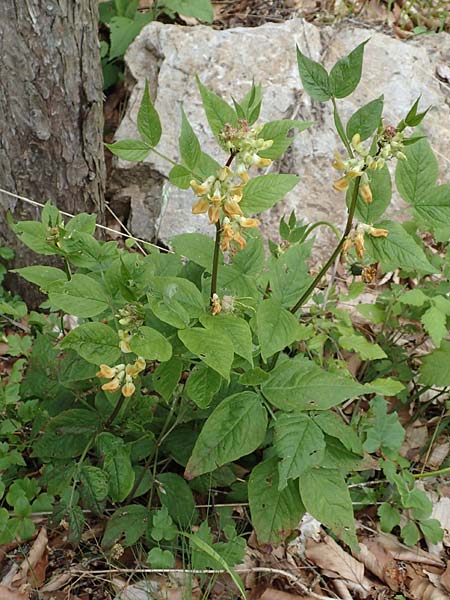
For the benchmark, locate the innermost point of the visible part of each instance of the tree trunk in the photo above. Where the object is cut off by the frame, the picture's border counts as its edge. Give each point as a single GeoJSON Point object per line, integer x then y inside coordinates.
{"type": "Point", "coordinates": [51, 121]}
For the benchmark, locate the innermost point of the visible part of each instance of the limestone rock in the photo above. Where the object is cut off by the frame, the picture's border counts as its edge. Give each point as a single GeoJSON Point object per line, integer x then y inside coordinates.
{"type": "Point", "coordinates": [169, 57]}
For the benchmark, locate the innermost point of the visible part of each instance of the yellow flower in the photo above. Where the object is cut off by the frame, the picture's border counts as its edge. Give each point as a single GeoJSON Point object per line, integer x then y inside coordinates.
{"type": "Point", "coordinates": [231, 207]}
{"type": "Point", "coordinates": [377, 232]}
{"type": "Point", "coordinates": [215, 305]}
{"type": "Point", "coordinates": [347, 245]}
{"type": "Point", "coordinates": [201, 206]}
{"type": "Point", "coordinates": [249, 222]}
{"type": "Point", "coordinates": [359, 244]}
{"type": "Point", "coordinates": [214, 213]}
{"type": "Point", "coordinates": [111, 386]}
{"type": "Point", "coordinates": [264, 162]}
{"type": "Point", "coordinates": [366, 193]}
{"type": "Point", "coordinates": [106, 372]}
{"type": "Point", "coordinates": [338, 163]}
{"type": "Point", "coordinates": [356, 140]}
{"type": "Point", "coordinates": [128, 389]}
{"type": "Point", "coordinates": [199, 190]}
{"type": "Point", "coordinates": [341, 184]}
{"type": "Point", "coordinates": [227, 236]}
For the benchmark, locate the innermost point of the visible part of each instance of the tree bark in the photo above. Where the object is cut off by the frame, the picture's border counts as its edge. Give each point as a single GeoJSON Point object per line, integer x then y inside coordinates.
{"type": "Point", "coordinates": [51, 122]}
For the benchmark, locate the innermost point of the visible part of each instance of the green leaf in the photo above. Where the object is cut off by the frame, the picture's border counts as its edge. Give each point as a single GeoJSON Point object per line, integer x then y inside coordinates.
{"type": "Point", "coordinates": [435, 323]}
{"type": "Point", "coordinates": [118, 467]}
{"type": "Point", "coordinates": [435, 368]}
{"type": "Point", "coordinates": [262, 192]}
{"type": "Point", "coordinates": [163, 527]}
{"type": "Point", "coordinates": [389, 517]}
{"type": "Point", "coordinates": [432, 530]}
{"type": "Point", "coordinates": [94, 487]}
{"type": "Point", "coordinates": [95, 342]}
{"type": "Point", "coordinates": [180, 176]}
{"type": "Point", "coordinates": [218, 112]}
{"type": "Point", "coordinates": [189, 145]}
{"type": "Point", "coordinates": [123, 31]}
{"type": "Point", "coordinates": [398, 249]}
{"type": "Point", "coordinates": [34, 235]}
{"type": "Point", "coordinates": [150, 344]}
{"type": "Point", "coordinates": [385, 432]}
{"type": "Point", "coordinates": [359, 344]}
{"type": "Point", "coordinates": [416, 176]}
{"type": "Point", "coordinates": [82, 296]}
{"type": "Point", "coordinates": [200, 544]}
{"type": "Point", "coordinates": [202, 384]}
{"type": "Point", "coordinates": [234, 429]}
{"type": "Point", "coordinates": [131, 521]}
{"type": "Point", "coordinates": [237, 329]}
{"type": "Point", "coordinates": [381, 187]}
{"type": "Point", "coordinates": [67, 434]}
{"type": "Point", "coordinates": [276, 327]}
{"type": "Point", "coordinates": [129, 149]}
{"type": "Point", "coordinates": [386, 386]}
{"type": "Point", "coordinates": [300, 384]}
{"type": "Point", "coordinates": [300, 445]}
{"type": "Point", "coordinates": [414, 297]}
{"type": "Point", "coordinates": [199, 9]}
{"type": "Point", "coordinates": [410, 534]}
{"type": "Point", "coordinates": [289, 274]}
{"type": "Point", "coordinates": [213, 348]}
{"type": "Point", "coordinates": [434, 207]}
{"type": "Point", "coordinates": [314, 78]}
{"type": "Point", "coordinates": [277, 131]}
{"type": "Point", "coordinates": [82, 223]}
{"type": "Point", "coordinates": [346, 73]}
{"type": "Point", "coordinates": [197, 247]}
{"type": "Point", "coordinates": [41, 275]}
{"type": "Point", "coordinates": [160, 559]}
{"type": "Point", "coordinates": [326, 497]}
{"type": "Point", "coordinates": [175, 300]}
{"type": "Point", "coordinates": [175, 494]}
{"type": "Point", "coordinates": [148, 122]}
{"type": "Point", "coordinates": [167, 376]}
{"type": "Point", "coordinates": [331, 424]}
{"type": "Point", "coordinates": [366, 119]}
{"type": "Point", "coordinates": [275, 513]}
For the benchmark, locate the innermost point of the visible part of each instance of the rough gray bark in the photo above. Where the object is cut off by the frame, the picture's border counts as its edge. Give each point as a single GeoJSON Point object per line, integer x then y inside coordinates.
{"type": "Point", "coordinates": [51, 121]}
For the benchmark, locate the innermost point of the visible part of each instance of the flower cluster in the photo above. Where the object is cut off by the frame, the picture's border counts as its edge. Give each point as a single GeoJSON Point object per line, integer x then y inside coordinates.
{"type": "Point", "coordinates": [121, 376]}
{"type": "Point", "coordinates": [244, 143]}
{"type": "Point", "coordinates": [389, 145]}
{"type": "Point", "coordinates": [357, 239]}
{"type": "Point", "coordinates": [219, 195]}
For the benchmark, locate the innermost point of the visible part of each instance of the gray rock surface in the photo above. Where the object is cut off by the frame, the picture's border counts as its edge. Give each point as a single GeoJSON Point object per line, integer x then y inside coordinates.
{"type": "Point", "coordinates": [170, 56]}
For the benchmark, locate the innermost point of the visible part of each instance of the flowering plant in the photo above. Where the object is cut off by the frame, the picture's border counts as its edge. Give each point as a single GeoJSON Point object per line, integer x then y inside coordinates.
{"type": "Point", "coordinates": [224, 363]}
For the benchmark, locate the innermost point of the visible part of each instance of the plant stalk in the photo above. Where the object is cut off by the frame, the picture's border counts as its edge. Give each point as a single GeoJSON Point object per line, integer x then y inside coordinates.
{"type": "Point", "coordinates": [215, 265]}
{"type": "Point", "coordinates": [337, 250]}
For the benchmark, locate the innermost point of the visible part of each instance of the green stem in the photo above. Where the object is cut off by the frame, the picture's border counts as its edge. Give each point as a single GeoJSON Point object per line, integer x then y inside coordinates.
{"type": "Point", "coordinates": [318, 224]}
{"type": "Point", "coordinates": [337, 250]}
{"type": "Point", "coordinates": [67, 269]}
{"type": "Point", "coordinates": [215, 265]}
{"type": "Point", "coordinates": [163, 156]}
{"type": "Point", "coordinates": [432, 473]}
{"type": "Point", "coordinates": [340, 128]}
{"type": "Point", "coordinates": [115, 411]}
{"type": "Point", "coordinates": [154, 452]}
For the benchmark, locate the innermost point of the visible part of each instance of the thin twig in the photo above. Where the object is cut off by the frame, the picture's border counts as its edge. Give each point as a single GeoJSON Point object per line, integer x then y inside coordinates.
{"type": "Point", "coordinates": [97, 225]}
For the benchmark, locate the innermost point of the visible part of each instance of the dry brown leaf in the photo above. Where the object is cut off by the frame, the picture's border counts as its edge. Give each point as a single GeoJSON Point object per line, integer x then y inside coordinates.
{"type": "Point", "coordinates": [445, 578]}
{"type": "Point", "coordinates": [8, 594]}
{"type": "Point", "coordinates": [421, 589]}
{"type": "Point", "coordinates": [401, 552]}
{"type": "Point", "coordinates": [34, 565]}
{"type": "Point", "coordinates": [415, 438]}
{"type": "Point", "coordinates": [273, 594]}
{"type": "Point", "coordinates": [438, 455]}
{"type": "Point", "coordinates": [57, 582]}
{"type": "Point", "coordinates": [327, 554]}
{"type": "Point", "coordinates": [381, 564]}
